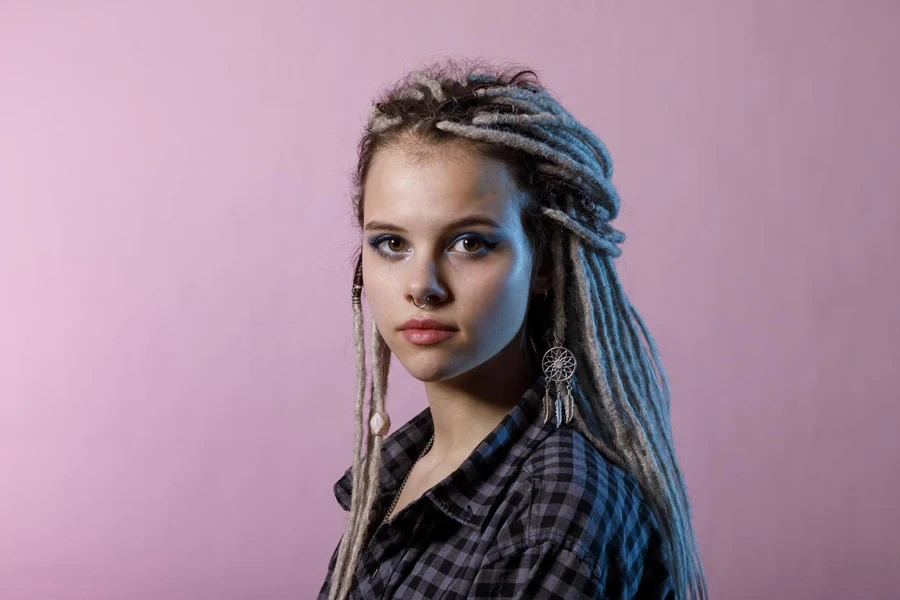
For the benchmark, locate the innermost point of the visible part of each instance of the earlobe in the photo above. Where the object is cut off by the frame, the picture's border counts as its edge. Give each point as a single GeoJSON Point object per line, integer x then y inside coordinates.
{"type": "Point", "coordinates": [541, 285]}
{"type": "Point", "coordinates": [543, 279]}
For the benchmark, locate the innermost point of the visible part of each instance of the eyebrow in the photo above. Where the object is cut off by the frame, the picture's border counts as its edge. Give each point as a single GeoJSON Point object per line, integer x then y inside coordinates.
{"type": "Point", "coordinates": [464, 222]}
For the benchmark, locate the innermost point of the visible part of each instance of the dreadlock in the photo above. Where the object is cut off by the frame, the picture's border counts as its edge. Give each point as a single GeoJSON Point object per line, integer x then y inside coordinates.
{"type": "Point", "coordinates": [623, 397]}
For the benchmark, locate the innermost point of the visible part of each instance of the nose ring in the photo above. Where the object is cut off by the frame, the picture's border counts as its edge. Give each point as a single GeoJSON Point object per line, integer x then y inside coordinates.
{"type": "Point", "coordinates": [422, 305]}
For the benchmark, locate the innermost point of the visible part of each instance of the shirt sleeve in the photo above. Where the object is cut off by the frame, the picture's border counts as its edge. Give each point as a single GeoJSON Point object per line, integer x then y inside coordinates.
{"type": "Point", "coordinates": [649, 574]}
{"type": "Point", "coordinates": [551, 571]}
{"type": "Point", "coordinates": [326, 585]}
{"type": "Point", "coordinates": [545, 571]}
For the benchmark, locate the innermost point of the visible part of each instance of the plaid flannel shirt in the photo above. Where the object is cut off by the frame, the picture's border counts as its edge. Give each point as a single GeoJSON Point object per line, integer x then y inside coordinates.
{"type": "Point", "coordinates": [534, 512]}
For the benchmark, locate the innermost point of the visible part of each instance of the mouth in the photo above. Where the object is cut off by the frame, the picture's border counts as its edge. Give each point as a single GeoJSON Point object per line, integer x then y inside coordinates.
{"type": "Point", "coordinates": [426, 337]}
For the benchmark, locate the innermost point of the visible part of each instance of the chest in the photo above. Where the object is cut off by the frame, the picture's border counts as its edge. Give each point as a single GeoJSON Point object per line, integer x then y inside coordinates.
{"type": "Point", "coordinates": [420, 480]}
{"type": "Point", "coordinates": [421, 554]}
{"type": "Point", "coordinates": [426, 551]}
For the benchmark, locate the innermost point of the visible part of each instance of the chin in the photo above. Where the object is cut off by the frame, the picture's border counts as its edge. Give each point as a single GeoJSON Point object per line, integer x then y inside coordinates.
{"type": "Point", "coordinates": [428, 369]}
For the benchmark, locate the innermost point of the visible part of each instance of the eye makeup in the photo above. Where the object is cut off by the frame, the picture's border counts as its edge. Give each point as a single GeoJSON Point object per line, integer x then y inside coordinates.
{"type": "Point", "coordinates": [487, 246]}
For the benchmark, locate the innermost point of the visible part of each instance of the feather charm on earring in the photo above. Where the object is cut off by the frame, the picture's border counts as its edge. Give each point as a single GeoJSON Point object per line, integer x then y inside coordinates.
{"type": "Point", "coordinates": [569, 401]}
{"type": "Point", "coordinates": [547, 402]}
{"type": "Point", "coordinates": [559, 366]}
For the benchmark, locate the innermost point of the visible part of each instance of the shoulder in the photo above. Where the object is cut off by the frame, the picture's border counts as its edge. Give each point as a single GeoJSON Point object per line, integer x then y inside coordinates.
{"type": "Point", "coordinates": [582, 528]}
{"type": "Point", "coordinates": [582, 502]}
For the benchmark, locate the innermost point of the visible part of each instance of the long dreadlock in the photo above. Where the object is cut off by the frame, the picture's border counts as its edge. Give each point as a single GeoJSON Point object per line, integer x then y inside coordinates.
{"type": "Point", "coordinates": [623, 397]}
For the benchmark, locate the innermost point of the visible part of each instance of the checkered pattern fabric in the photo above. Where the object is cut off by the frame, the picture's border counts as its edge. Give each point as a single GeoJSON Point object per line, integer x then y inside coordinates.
{"type": "Point", "coordinates": [534, 512]}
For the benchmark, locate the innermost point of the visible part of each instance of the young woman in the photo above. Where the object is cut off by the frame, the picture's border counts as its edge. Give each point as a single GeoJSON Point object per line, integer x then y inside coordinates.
{"type": "Point", "coordinates": [543, 466]}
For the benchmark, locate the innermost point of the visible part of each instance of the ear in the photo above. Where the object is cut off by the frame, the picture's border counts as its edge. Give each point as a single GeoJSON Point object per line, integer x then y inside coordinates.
{"type": "Point", "coordinates": [542, 276]}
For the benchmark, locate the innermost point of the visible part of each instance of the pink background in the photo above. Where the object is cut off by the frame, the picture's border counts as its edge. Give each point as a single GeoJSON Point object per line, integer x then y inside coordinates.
{"type": "Point", "coordinates": [176, 363]}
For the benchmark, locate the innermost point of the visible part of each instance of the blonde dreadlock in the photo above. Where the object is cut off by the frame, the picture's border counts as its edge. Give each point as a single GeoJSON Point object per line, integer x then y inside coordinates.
{"type": "Point", "coordinates": [623, 393]}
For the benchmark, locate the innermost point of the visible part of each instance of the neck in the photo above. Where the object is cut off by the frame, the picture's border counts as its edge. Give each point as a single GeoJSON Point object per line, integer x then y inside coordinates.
{"type": "Point", "coordinates": [466, 408]}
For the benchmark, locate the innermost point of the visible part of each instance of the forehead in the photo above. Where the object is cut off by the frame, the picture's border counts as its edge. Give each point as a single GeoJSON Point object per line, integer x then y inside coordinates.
{"type": "Point", "coordinates": [418, 184]}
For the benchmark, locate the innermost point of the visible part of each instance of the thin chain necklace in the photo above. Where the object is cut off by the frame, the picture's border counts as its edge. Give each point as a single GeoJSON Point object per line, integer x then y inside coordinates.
{"type": "Point", "coordinates": [403, 485]}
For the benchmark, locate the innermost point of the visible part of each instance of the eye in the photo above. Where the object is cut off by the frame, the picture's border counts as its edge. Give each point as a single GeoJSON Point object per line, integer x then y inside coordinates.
{"type": "Point", "coordinates": [470, 246]}
{"type": "Point", "coordinates": [393, 244]}
{"type": "Point", "coordinates": [387, 246]}
{"type": "Point", "coordinates": [475, 246]}
{"type": "Point", "coordinates": [468, 243]}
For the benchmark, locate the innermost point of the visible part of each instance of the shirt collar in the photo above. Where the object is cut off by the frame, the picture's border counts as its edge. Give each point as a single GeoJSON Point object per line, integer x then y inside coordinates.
{"type": "Point", "coordinates": [460, 495]}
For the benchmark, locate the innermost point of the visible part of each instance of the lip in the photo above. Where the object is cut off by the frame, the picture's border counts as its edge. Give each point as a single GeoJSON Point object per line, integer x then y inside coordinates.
{"type": "Point", "coordinates": [426, 325]}
{"type": "Point", "coordinates": [425, 337]}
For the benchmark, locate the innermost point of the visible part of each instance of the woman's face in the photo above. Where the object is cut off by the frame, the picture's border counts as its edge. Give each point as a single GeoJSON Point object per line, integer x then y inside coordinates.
{"type": "Point", "coordinates": [479, 275]}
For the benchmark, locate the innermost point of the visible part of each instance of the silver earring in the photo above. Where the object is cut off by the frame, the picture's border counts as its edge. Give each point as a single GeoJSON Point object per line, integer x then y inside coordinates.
{"type": "Point", "coordinates": [558, 365]}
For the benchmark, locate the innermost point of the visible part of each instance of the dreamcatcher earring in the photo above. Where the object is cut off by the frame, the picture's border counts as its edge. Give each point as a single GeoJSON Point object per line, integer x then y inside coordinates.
{"type": "Point", "coordinates": [558, 365]}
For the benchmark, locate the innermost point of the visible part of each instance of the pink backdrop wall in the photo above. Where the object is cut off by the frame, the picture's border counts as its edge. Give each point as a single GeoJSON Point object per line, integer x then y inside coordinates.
{"type": "Point", "coordinates": [176, 365]}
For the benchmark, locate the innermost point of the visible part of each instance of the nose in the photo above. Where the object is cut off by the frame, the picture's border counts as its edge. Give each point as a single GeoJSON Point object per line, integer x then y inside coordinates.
{"type": "Point", "coordinates": [424, 282]}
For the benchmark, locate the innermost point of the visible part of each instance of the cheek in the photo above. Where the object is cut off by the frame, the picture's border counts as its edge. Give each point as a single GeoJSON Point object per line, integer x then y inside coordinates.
{"type": "Point", "coordinates": [498, 302]}
{"type": "Point", "coordinates": [378, 289]}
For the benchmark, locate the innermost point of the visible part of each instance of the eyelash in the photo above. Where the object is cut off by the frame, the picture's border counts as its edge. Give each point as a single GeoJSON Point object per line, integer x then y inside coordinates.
{"type": "Point", "coordinates": [487, 246]}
